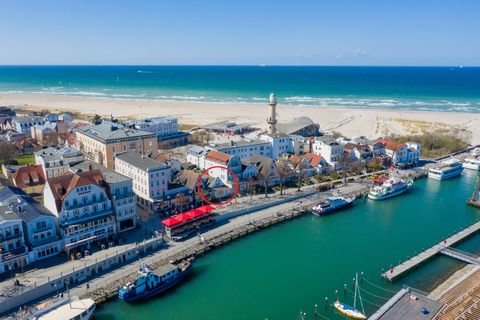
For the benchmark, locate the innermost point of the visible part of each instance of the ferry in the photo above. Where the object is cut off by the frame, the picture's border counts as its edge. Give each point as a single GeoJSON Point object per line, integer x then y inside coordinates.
{"type": "Point", "coordinates": [66, 309]}
{"type": "Point", "coordinates": [447, 169]}
{"type": "Point", "coordinates": [471, 163]}
{"type": "Point", "coordinates": [152, 283]}
{"type": "Point", "coordinates": [391, 187]}
{"type": "Point", "coordinates": [331, 204]}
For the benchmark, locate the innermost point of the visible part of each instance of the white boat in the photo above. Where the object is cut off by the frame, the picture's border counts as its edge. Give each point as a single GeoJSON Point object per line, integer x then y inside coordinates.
{"type": "Point", "coordinates": [349, 311]}
{"type": "Point", "coordinates": [447, 169]}
{"type": "Point", "coordinates": [331, 204]}
{"type": "Point", "coordinates": [66, 309]}
{"type": "Point", "coordinates": [475, 152]}
{"type": "Point", "coordinates": [391, 187]}
{"type": "Point", "coordinates": [471, 163]}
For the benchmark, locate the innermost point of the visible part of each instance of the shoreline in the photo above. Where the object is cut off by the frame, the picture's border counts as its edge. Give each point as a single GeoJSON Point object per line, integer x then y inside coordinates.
{"type": "Point", "coordinates": [349, 121]}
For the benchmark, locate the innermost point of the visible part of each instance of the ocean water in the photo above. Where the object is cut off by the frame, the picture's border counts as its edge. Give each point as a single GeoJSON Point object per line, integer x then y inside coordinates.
{"type": "Point", "coordinates": [275, 273]}
{"type": "Point", "coordinates": [403, 88]}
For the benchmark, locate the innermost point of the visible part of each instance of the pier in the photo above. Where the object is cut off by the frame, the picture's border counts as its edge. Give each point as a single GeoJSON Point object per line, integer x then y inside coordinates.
{"type": "Point", "coordinates": [443, 247]}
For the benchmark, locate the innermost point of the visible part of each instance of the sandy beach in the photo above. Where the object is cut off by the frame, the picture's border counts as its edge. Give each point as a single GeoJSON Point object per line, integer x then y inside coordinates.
{"type": "Point", "coordinates": [348, 121]}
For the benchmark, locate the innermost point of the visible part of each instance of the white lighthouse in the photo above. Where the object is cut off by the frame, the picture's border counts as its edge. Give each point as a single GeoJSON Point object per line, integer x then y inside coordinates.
{"type": "Point", "coordinates": [272, 120]}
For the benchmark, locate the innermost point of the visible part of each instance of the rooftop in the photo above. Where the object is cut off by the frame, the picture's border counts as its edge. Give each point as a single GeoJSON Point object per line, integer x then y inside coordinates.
{"type": "Point", "coordinates": [28, 176]}
{"type": "Point", "coordinates": [139, 161]}
{"type": "Point", "coordinates": [219, 157]}
{"type": "Point", "coordinates": [185, 217]}
{"type": "Point", "coordinates": [7, 214]}
{"type": "Point", "coordinates": [107, 131]}
{"type": "Point", "coordinates": [241, 143]}
{"type": "Point", "coordinates": [109, 175]}
{"type": "Point", "coordinates": [24, 206]}
{"type": "Point", "coordinates": [295, 125]}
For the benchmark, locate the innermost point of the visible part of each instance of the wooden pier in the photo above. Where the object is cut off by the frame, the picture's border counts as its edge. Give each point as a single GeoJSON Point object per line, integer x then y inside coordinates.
{"type": "Point", "coordinates": [414, 262]}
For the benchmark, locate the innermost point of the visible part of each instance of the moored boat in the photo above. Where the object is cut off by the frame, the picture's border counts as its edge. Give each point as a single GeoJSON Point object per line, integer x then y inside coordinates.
{"type": "Point", "coordinates": [447, 169]}
{"type": "Point", "coordinates": [474, 200]}
{"type": "Point", "coordinates": [66, 309]}
{"type": "Point", "coordinates": [471, 163]}
{"type": "Point", "coordinates": [154, 282]}
{"type": "Point", "coordinates": [331, 204]}
{"type": "Point", "coordinates": [349, 311]}
{"type": "Point", "coordinates": [391, 187]}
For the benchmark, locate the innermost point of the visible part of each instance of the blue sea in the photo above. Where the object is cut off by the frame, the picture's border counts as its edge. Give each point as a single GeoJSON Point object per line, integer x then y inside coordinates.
{"type": "Point", "coordinates": [398, 88]}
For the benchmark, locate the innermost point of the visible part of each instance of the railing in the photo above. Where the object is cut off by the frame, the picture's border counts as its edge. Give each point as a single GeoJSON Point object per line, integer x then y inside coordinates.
{"type": "Point", "coordinates": [87, 217]}
{"type": "Point", "coordinates": [14, 253]}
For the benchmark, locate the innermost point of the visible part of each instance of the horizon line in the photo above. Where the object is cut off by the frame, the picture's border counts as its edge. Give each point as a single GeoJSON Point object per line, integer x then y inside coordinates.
{"type": "Point", "coordinates": [239, 65]}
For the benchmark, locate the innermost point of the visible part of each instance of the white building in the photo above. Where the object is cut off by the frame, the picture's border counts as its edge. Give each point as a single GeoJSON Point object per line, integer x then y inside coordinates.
{"type": "Point", "coordinates": [121, 191]}
{"type": "Point", "coordinates": [39, 224]}
{"type": "Point", "coordinates": [84, 209]}
{"type": "Point", "coordinates": [150, 178]}
{"type": "Point", "coordinates": [23, 124]}
{"type": "Point", "coordinates": [402, 153]}
{"type": "Point", "coordinates": [56, 162]}
{"type": "Point", "coordinates": [196, 156]}
{"type": "Point", "coordinates": [218, 162]}
{"type": "Point", "coordinates": [244, 149]}
{"type": "Point", "coordinates": [161, 126]}
{"type": "Point", "coordinates": [14, 252]}
{"type": "Point", "coordinates": [330, 150]}
{"type": "Point", "coordinates": [280, 144]}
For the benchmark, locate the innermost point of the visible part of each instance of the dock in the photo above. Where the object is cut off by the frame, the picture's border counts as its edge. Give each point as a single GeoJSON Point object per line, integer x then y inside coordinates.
{"type": "Point", "coordinates": [406, 304]}
{"type": "Point", "coordinates": [443, 247]}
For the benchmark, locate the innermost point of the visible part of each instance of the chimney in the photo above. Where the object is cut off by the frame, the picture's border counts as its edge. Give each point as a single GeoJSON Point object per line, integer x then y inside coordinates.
{"type": "Point", "coordinates": [90, 168]}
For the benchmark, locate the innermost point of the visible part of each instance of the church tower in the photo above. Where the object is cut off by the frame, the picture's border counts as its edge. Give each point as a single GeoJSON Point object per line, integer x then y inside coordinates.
{"type": "Point", "coordinates": [272, 120]}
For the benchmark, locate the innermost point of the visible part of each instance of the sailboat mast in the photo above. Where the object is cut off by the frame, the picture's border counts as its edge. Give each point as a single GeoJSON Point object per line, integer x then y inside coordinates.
{"type": "Point", "coordinates": [356, 288]}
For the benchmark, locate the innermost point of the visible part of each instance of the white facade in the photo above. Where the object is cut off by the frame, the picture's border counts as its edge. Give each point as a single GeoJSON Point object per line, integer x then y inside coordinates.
{"type": "Point", "coordinates": [55, 162]}
{"type": "Point", "coordinates": [85, 213]}
{"type": "Point", "coordinates": [413, 152]}
{"type": "Point", "coordinates": [245, 149]}
{"type": "Point", "coordinates": [150, 182]}
{"type": "Point", "coordinates": [14, 253]}
{"type": "Point", "coordinates": [196, 156]}
{"type": "Point", "coordinates": [331, 151]}
{"type": "Point", "coordinates": [280, 143]}
{"type": "Point", "coordinates": [161, 126]}
{"type": "Point", "coordinates": [23, 124]}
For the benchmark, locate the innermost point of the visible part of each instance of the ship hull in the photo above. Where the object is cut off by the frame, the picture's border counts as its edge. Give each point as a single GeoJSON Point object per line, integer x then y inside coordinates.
{"type": "Point", "coordinates": [157, 290]}
{"type": "Point", "coordinates": [348, 311]}
{"type": "Point", "coordinates": [471, 166]}
{"type": "Point", "coordinates": [331, 210]}
{"type": "Point", "coordinates": [386, 196]}
{"type": "Point", "coordinates": [445, 176]}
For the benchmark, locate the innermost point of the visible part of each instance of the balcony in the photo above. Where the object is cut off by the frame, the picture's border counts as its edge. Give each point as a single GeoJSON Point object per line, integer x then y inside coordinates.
{"type": "Point", "coordinates": [15, 253]}
{"type": "Point", "coordinates": [86, 218]}
{"type": "Point", "coordinates": [10, 236]}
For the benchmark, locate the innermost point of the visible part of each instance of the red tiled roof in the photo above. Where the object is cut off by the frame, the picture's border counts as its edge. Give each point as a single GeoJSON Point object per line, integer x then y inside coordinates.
{"type": "Point", "coordinates": [314, 159]}
{"type": "Point", "coordinates": [217, 156]}
{"type": "Point", "coordinates": [391, 145]}
{"type": "Point", "coordinates": [61, 186]}
{"type": "Point", "coordinates": [185, 217]}
{"type": "Point", "coordinates": [25, 176]}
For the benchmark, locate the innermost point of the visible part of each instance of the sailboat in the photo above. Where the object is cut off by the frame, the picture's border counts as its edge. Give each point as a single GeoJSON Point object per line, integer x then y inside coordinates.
{"type": "Point", "coordinates": [349, 311]}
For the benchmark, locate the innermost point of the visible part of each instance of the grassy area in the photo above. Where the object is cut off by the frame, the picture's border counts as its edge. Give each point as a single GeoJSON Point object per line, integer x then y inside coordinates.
{"type": "Point", "coordinates": [435, 144]}
{"type": "Point", "coordinates": [25, 159]}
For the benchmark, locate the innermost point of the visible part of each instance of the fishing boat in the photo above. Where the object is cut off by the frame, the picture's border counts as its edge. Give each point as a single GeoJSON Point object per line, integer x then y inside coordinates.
{"type": "Point", "coordinates": [391, 187]}
{"type": "Point", "coordinates": [471, 163]}
{"type": "Point", "coordinates": [447, 169]}
{"type": "Point", "coordinates": [349, 311]}
{"type": "Point", "coordinates": [154, 282]}
{"type": "Point", "coordinates": [71, 308]}
{"type": "Point", "coordinates": [331, 204]}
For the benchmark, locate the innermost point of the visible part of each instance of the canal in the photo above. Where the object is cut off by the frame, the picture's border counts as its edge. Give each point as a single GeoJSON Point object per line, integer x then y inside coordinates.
{"type": "Point", "coordinates": [276, 273]}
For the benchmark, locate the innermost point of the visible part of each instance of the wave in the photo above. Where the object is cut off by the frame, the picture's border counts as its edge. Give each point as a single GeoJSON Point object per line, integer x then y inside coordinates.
{"type": "Point", "coordinates": [305, 101]}
{"type": "Point", "coordinates": [144, 71]}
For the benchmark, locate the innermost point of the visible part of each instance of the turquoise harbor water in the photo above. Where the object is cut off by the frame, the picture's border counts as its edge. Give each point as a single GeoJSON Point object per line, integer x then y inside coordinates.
{"type": "Point", "coordinates": [405, 88]}
{"type": "Point", "coordinates": [276, 273]}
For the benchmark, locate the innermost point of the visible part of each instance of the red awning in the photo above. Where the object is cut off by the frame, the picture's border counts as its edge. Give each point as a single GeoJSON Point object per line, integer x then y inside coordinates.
{"type": "Point", "coordinates": [187, 216]}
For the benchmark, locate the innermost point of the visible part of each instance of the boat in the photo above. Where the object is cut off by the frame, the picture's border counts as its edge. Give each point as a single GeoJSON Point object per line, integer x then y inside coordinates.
{"type": "Point", "coordinates": [391, 187]}
{"type": "Point", "coordinates": [475, 152]}
{"type": "Point", "coordinates": [152, 283]}
{"type": "Point", "coordinates": [474, 200]}
{"type": "Point", "coordinates": [447, 169]}
{"type": "Point", "coordinates": [66, 309]}
{"type": "Point", "coordinates": [471, 163]}
{"type": "Point", "coordinates": [331, 204]}
{"type": "Point", "coordinates": [349, 311]}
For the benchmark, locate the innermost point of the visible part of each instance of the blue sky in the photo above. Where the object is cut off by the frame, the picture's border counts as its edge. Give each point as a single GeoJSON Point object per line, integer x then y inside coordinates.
{"type": "Point", "coordinates": [300, 32]}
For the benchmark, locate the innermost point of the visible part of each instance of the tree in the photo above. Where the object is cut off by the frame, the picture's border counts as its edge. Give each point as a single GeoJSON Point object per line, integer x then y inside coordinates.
{"type": "Point", "coordinates": [180, 201]}
{"type": "Point", "coordinates": [251, 187]}
{"type": "Point", "coordinates": [8, 151]}
{"type": "Point", "coordinates": [96, 119]}
{"type": "Point", "coordinates": [300, 172]}
{"type": "Point", "coordinates": [284, 171]}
